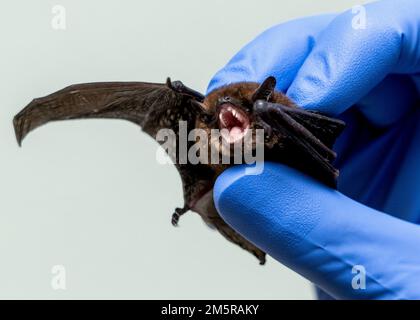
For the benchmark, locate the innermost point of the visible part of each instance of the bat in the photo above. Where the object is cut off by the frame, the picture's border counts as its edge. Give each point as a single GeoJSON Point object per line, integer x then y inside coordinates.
{"type": "Point", "coordinates": [299, 138]}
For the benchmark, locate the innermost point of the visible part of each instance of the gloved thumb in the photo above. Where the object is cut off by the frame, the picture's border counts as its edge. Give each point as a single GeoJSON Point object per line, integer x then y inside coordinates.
{"type": "Point", "coordinates": [349, 250]}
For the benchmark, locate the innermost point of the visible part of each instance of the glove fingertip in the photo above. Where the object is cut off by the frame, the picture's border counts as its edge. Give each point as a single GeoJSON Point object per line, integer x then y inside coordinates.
{"type": "Point", "coordinates": [227, 179]}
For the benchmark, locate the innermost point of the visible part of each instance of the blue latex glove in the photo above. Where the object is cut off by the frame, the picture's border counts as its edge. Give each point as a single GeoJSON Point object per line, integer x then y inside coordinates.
{"type": "Point", "coordinates": [369, 77]}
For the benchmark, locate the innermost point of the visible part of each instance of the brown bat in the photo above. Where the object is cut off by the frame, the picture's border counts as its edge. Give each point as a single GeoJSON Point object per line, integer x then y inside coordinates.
{"type": "Point", "coordinates": [296, 137]}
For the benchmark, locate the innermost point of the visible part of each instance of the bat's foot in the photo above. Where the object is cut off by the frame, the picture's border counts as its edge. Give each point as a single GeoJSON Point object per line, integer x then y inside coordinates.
{"type": "Point", "coordinates": [177, 214]}
{"type": "Point", "coordinates": [261, 258]}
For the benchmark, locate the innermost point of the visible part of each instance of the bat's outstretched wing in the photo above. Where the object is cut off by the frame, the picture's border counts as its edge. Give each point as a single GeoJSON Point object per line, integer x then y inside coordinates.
{"type": "Point", "coordinates": [153, 106]}
{"type": "Point", "coordinates": [309, 137]}
{"type": "Point", "coordinates": [150, 105]}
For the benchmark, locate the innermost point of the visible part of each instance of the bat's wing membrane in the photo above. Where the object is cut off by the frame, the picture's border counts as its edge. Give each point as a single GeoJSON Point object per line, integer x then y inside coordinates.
{"type": "Point", "coordinates": [326, 129]}
{"type": "Point", "coordinates": [310, 136]}
{"type": "Point", "coordinates": [140, 102]}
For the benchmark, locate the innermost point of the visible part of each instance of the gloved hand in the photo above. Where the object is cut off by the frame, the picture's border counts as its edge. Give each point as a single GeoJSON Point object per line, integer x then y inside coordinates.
{"type": "Point", "coordinates": [370, 77]}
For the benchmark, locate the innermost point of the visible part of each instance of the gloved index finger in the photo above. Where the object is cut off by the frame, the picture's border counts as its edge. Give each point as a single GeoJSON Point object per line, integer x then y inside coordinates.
{"type": "Point", "coordinates": [279, 51]}
{"type": "Point", "coordinates": [355, 52]}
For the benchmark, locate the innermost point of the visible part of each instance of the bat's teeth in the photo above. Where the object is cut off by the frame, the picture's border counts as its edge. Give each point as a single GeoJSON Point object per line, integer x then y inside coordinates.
{"type": "Point", "coordinates": [238, 116]}
{"type": "Point", "coordinates": [222, 119]}
{"type": "Point", "coordinates": [231, 117]}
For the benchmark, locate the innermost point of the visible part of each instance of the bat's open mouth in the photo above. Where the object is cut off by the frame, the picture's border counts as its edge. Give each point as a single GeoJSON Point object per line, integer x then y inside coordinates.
{"type": "Point", "coordinates": [235, 121]}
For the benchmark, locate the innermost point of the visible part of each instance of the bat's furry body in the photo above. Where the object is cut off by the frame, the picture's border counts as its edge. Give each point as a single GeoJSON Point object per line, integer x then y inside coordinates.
{"type": "Point", "coordinates": [296, 137]}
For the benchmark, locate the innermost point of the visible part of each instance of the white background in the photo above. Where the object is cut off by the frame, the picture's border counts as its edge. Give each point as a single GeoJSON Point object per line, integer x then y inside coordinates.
{"type": "Point", "coordinates": [90, 195]}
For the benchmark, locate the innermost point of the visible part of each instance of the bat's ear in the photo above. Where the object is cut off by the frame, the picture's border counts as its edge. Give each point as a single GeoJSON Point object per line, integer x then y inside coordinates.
{"type": "Point", "coordinates": [265, 90]}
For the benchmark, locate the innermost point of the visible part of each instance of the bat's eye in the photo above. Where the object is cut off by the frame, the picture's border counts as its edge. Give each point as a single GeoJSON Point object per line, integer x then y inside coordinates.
{"type": "Point", "coordinates": [226, 99]}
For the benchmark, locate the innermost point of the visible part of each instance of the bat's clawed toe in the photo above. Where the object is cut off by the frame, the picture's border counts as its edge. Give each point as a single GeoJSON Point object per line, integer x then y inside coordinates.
{"type": "Point", "coordinates": [175, 219]}
{"type": "Point", "coordinates": [262, 259]}
{"type": "Point", "coordinates": [177, 214]}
